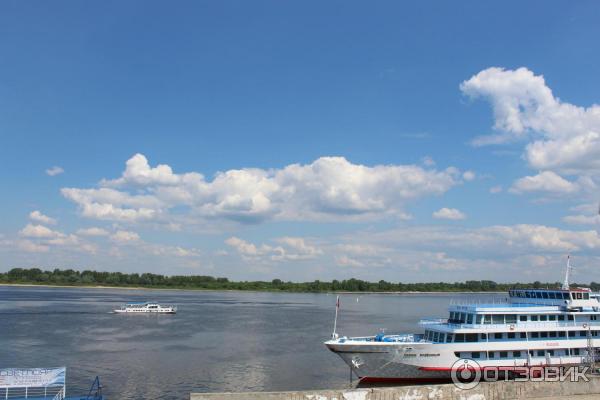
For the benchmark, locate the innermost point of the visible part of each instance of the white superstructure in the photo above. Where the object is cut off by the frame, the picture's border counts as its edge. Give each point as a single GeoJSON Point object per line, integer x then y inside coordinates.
{"type": "Point", "coordinates": [139, 308]}
{"type": "Point", "coordinates": [533, 327]}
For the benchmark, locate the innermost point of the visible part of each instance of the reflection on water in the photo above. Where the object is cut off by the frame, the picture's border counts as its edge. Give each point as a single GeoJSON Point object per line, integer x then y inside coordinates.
{"type": "Point", "coordinates": [218, 341]}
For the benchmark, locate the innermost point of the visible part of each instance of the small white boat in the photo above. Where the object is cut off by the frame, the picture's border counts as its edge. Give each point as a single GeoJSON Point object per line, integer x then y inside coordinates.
{"type": "Point", "coordinates": [139, 308]}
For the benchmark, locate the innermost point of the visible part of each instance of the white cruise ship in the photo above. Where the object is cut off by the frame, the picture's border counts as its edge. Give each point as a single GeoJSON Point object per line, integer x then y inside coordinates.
{"type": "Point", "coordinates": [533, 327]}
{"type": "Point", "coordinates": [145, 307]}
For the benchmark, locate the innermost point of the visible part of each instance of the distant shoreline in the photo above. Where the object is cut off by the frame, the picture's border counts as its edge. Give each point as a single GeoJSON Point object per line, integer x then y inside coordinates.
{"type": "Point", "coordinates": [26, 285]}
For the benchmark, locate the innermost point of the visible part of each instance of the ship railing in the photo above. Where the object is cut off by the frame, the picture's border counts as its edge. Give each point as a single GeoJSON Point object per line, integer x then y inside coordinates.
{"type": "Point", "coordinates": [520, 324]}
{"type": "Point", "coordinates": [433, 321]}
{"type": "Point", "coordinates": [60, 395]}
{"type": "Point", "coordinates": [402, 337]}
{"type": "Point", "coordinates": [48, 392]}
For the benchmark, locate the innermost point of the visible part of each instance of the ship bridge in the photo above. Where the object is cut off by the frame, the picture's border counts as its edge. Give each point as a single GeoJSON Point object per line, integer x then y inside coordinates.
{"type": "Point", "coordinates": [571, 299]}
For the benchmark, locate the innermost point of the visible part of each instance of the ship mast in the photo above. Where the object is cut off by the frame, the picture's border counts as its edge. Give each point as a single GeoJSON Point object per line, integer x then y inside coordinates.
{"type": "Point", "coordinates": [565, 285]}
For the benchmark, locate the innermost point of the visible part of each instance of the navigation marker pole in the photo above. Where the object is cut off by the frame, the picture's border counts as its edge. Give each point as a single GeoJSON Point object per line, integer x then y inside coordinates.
{"type": "Point", "coordinates": [334, 335]}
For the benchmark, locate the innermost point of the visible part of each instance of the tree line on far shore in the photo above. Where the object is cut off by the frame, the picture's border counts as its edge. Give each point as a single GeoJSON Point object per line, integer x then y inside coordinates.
{"type": "Point", "coordinates": [70, 277]}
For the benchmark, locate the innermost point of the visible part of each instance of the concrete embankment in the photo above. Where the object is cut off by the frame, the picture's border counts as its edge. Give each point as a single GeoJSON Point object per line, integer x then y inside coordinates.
{"type": "Point", "coordinates": [484, 391]}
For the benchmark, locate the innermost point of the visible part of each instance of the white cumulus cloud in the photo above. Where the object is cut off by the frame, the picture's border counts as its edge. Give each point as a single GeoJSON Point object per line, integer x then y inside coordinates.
{"type": "Point", "coordinates": [330, 188]}
{"type": "Point", "coordinates": [124, 237]}
{"type": "Point", "coordinates": [93, 231]}
{"type": "Point", "coordinates": [561, 140]}
{"type": "Point", "coordinates": [39, 231]}
{"type": "Point", "coordinates": [563, 137]}
{"type": "Point", "coordinates": [449, 213]}
{"type": "Point", "coordinates": [546, 181]}
{"type": "Point", "coordinates": [56, 170]}
{"type": "Point", "coordinates": [37, 216]}
{"type": "Point", "coordinates": [289, 249]}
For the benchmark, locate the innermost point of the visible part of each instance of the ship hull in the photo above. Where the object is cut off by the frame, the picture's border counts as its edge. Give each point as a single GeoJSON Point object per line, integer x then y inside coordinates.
{"type": "Point", "coordinates": [417, 362]}
{"type": "Point", "coordinates": [386, 364]}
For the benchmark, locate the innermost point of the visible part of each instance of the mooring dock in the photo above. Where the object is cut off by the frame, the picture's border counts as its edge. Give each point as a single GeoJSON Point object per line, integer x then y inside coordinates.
{"type": "Point", "coordinates": [581, 390]}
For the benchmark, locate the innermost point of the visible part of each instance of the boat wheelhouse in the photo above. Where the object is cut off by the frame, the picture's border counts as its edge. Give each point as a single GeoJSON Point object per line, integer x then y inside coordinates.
{"type": "Point", "coordinates": [146, 307]}
{"type": "Point", "coordinates": [532, 327]}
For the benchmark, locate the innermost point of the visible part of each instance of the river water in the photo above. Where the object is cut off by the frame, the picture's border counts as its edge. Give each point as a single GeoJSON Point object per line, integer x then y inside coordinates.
{"type": "Point", "coordinates": [218, 341]}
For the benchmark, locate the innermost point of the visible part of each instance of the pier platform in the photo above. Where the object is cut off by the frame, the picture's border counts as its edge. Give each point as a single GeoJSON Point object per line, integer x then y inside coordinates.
{"type": "Point", "coordinates": [509, 390]}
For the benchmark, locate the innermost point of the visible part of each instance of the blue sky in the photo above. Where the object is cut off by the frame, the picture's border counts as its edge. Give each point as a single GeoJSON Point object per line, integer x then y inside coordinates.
{"type": "Point", "coordinates": [334, 139]}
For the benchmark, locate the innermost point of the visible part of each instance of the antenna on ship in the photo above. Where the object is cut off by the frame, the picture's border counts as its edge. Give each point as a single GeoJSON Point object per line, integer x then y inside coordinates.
{"type": "Point", "coordinates": [565, 285]}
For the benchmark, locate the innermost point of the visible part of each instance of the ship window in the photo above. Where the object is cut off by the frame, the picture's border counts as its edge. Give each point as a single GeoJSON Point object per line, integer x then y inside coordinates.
{"type": "Point", "coordinates": [561, 317]}
{"type": "Point", "coordinates": [435, 336]}
{"type": "Point", "coordinates": [516, 354]}
{"type": "Point", "coordinates": [479, 318]}
{"type": "Point", "coordinates": [545, 295]}
{"type": "Point", "coordinates": [543, 317]}
{"type": "Point", "coordinates": [594, 333]}
{"type": "Point", "coordinates": [575, 352]}
{"type": "Point", "coordinates": [582, 333]}
{"type": "Point", "coordinates": [535, 335]}
{"type": "Point", "coordinates": [442, 337]}
{"type": "Point", "coordinates": [586, 296]}
{"type": "Point", "coordinates": [511, 319]}
{"type": "Point", "coordinates": [498, 318]}
{"type": "Point", "coordinates": [571, 333]}
{"type": "Point", "coordinates": [471, 337]}
{"type": "Point", "coordinates": [551, 295]}
{"type": "Point", "coordinates": [534, 317]}
{"type": "Point", "coordinates": [579, 296]}
{"type": "Point", "coordinates": [531, 353]}
{"type": "Point", "coordinates": [449, 338]}
{"type": "Point", "coordinates": [552, 334]}
{"type": "Point", "coordinates": [460, 337]}
{"type": "Point", "coordinates": [540, 353]}
{"type": "Point", "coordinates": [550, 352]}
{"type": "Point", "coordinates": [475, 354]}
{"type": "Point", "coordinates": [565, 296]}
{"type": "Point", "coordinates": [497, 335]}
{"type": "Point", "coordinates": [457, 354]}
{"type": "Point", "coordinates": [488, 319]}
{"type": "Point", "coordinates": [544, 334]}
{"type": "Point", "coordinates": [522, 318]}
{"type": "Point", "coordinates": [561, 334]}
{"type": "Point", "coordinates": [593, 317]}
{"type": "Point", "coordinates": [469, 318]}
{"type": "Point", "coordinates": [491, 354]}
{"type": "Point", "coordinates": [570, 317]}
{"type": "Point", "coordinates": [551, 317]}
{"type": "Point", "coordinates": [484, 336]}
{"type": "Point", "coordinates": [462, 317]}
{"type": "Point", "coordinates": [511, 335]}
{"type": "Point", "coordinates": [503, 354]}
{"type": "Point", "coordinates": [523, 335]}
